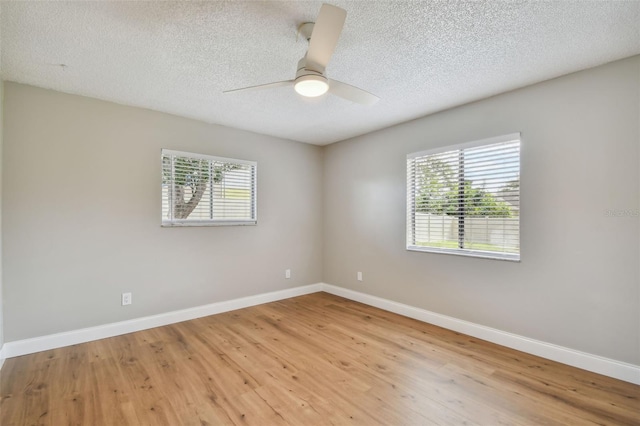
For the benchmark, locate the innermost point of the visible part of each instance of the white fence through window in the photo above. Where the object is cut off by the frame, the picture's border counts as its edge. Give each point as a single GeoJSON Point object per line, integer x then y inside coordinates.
{"type": "Point", "coordinates": [481, 233]}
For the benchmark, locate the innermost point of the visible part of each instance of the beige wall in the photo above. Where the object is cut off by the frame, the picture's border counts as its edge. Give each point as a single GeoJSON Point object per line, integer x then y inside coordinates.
{"type": "Point", "coordinates": [578, 283]}
{"type": "Point", "coordinates": [82, 215]}
{"type": "Point", "coordinates": [1, 172]}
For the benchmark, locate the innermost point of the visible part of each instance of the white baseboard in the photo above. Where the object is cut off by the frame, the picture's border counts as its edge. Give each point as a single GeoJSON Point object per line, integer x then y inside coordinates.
{"type": "Point", "coordinates": [597, 364]}
{"type": "Point", "coordinates": [58, 340]}
{"type": "Point", "coordinates": [2, 356]}
{"type": "Point", "coordinates": [605, 366]}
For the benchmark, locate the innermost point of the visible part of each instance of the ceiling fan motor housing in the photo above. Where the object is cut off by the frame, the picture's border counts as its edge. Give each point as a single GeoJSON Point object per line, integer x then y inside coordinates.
{"type": "Point", "coordinates": [303, 70]}
{"type": "Point", "coordinates": [309, 82]}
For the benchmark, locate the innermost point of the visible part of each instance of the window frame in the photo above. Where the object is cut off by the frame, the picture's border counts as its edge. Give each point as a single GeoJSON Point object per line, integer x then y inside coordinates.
{"type": "Point", "coordinates": [210, 222]}
{"type": "Point", "coordinates": [411, 201]}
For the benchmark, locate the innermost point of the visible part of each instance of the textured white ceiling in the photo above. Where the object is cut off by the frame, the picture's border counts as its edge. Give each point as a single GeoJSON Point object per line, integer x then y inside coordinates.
{"type": "Point", "coordinates": [418, 57]}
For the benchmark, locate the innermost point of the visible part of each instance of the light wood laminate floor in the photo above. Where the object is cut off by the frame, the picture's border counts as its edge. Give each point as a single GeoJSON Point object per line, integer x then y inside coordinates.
{"type": "Point", "coordinates": [311, 360]}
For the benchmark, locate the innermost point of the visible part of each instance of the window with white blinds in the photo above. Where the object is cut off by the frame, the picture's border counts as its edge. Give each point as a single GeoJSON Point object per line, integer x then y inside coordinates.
{"type": "Point", "coordinates": [465, 199]}
{"type": "Point", "coordinates": [204, 190]}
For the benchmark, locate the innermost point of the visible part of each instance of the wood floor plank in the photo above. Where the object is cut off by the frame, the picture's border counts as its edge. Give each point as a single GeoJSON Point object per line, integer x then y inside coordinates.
{"type": "Point", "coordinates": [311, 360]}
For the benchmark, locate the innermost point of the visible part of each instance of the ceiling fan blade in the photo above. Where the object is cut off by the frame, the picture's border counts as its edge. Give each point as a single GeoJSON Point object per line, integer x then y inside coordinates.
{"type": "Point", "coordinates": [262, 86]}
{"type": "Point", "coordinates": [325, 35]}
{"type": "Point", "coordinates": [352, 93]}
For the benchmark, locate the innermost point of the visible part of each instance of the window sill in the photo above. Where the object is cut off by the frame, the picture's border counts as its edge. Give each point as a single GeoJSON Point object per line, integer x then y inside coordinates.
{"type": "Point", "coordinates": [467, 253]}
{"type": "Point", "coordinates": [208, 223]}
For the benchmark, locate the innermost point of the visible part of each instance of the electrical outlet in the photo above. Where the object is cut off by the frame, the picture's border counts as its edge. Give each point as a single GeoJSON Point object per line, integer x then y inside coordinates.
{"type": "Point", "coordinates": [126, 299]}
{"type": "Point", "coordinates": [359, 276]}
{"type": "Point", "coordinates": [287, 273]}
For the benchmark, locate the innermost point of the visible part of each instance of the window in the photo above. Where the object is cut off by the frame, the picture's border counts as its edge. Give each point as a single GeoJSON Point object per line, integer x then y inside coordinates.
{"type": "Point", "coordinates": [203, 190]}
{"type": "Point", "coordinates": [466, 199]}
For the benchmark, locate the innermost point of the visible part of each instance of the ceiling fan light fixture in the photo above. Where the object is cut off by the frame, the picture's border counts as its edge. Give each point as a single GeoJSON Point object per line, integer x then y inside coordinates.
{"type": "Point", "coordinates": [311, 86]}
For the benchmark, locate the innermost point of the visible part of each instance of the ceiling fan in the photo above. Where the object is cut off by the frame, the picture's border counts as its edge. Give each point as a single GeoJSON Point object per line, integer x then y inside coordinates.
{"type": "Point", "coordinates": [310, 80]}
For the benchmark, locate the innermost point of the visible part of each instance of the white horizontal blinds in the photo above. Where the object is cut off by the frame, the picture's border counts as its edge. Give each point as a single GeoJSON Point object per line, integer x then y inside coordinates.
{"type": "Point", "coordinates": [466, 199]}
{"type": "Point", "coordinates": [233, 196]}
{"type": "Point", "coordinates": [198, 188]}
